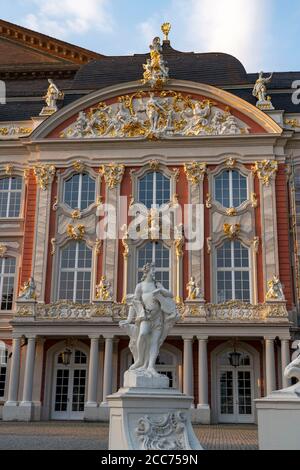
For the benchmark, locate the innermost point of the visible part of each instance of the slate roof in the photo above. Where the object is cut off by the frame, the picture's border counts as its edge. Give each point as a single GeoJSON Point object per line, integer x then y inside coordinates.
{"type": "Point", "coordinates": [217, 69]}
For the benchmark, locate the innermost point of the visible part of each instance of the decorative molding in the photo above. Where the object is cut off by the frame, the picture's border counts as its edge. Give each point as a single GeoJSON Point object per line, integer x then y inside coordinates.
{"type": "Point", "coordinates": [232, 231]}
{"type": "Point", "coordinates": [254, 200]}
{"type": "Point", "coordinates": [103, 290]}
{"type": "Point", "coordinates": [78, 166]}
{"type": "Point", "coordinates": [44, 175]}
{"type": "Point", "coordinates": [265, 170]}
{"type": "Point", "coordinates": [76, 233]}
{"type": "Point", "coordinates": [208, 202]}
{"type": "Point", "coordinates": [3, 250]}
{"type": "Point", "coordinates": [53, 244]}
{"type": "Point", "coordinates": [9, 169]}
{"type": "Point", "coordinates": [113, 174]}
{"type": "Point", "coordinates": [231, 162]}
{"type": "Point", "coordinates": [209, 245]}
{"type": "Point", "coordinates": [154, 165]}
{"type": "Point", "coordinates": [76, 214]}
{"type": "Point", "coordinates": [195, 172]}
{"type": "Point", "coordinates": [167, 432]}
{"type": "Point", "coordinates": [255, 244]}
{"type": "Point", "coordinates": [98, 246]}
{"type": "Point", "coordinates": [231, 212]}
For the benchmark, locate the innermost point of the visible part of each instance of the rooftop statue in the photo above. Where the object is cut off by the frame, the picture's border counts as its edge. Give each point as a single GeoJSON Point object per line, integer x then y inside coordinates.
{"type": "Point", "coordinates": [156, 72]}
{"type": "Point", "coordinates": [52, 96]}
{"type": "Point", "coordinates": [260, 92]}
{"type": "Point", "coordinates": [152, 313]}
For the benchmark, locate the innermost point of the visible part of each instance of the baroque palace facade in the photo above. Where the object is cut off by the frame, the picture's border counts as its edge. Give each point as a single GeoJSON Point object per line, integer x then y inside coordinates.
{"type": "Point", "coordinates": [83, 135]}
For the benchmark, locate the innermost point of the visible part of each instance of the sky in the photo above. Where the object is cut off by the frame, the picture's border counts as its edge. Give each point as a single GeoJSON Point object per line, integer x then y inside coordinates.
{"type": "Point", "coordinates": [262, 34]}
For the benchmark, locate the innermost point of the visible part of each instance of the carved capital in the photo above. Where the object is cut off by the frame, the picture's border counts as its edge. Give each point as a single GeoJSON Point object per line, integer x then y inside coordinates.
{"type": "Point", "coordinates": [195, 172]}
{"type": "Point", "coordinates": [113, 174]}
{"type": "Point", "coordinates": [265, 170]}
{"type": "Point", "coordinates": [3, 250]}
{"type": "Point", "coordinates": [44, 175]}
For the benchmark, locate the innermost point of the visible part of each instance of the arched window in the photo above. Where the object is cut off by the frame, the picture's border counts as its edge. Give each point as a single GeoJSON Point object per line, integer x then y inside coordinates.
{"type": "Point", "coordinates": [75, 273]}
{"type": "Point", "coordinates": [157, 253]}
{"type": "Point", "coordinates": [7, 281]}
{"type": "Point", "coordinates": [154, 189]}
{"type": "Point", "coordinates": [3, 367]}
{"type": "Point", "coordinates": [231, 188]}
{"type": "Point", "coordinates": [79, 191]}
{"type": "Point", "coordinates": [233, 272]}
{"type": "Point", "coordinates": [10, 196]}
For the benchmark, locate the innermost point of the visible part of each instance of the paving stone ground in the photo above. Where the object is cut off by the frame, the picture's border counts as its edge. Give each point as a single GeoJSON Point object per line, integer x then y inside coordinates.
{"type": "Point", "coordinates": [58, 435]}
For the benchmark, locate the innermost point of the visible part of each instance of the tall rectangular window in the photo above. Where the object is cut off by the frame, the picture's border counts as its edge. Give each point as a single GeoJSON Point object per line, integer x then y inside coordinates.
{"type": "Point", "coordinates": [10, 196]}
{"type": "Point", "coordinates": [7, 281]}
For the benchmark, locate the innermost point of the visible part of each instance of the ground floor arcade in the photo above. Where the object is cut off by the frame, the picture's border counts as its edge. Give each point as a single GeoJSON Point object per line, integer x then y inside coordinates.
{"type": "Point", "coordinates": [66, 373]}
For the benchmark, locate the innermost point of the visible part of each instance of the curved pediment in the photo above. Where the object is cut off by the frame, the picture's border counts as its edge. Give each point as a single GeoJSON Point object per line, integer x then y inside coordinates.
{"type": "Point", "coordinates": [132, 112]}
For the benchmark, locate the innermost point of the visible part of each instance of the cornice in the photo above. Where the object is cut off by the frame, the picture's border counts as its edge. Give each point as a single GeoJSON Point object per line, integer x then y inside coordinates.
{"type": "Point", "coordinates": [50, 46]}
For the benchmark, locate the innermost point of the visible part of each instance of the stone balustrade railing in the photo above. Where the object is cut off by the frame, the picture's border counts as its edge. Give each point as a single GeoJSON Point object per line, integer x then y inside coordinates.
{"type": "Point", "coordinates": [233, 311]}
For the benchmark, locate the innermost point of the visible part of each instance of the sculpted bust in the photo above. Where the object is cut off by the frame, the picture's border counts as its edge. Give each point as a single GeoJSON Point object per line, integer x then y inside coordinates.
{"type": "Point", "coordinates": [152, 313]}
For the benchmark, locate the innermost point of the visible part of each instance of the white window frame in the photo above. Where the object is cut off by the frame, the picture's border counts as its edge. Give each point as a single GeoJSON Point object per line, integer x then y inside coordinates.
{"type": "Point", "coordinates": [154, 189]}
{"type": "Point", "coordinates": [10, 191]}
{"type": "Point", "coordinates": [2, 276]}
{"type": "Point", "coordinates": [79, 201]}
{"type": "Point", "coordinates": [162, 270]}
{"type": "Point", "coordinates": [231, 186]}
{"type": "Point", "coordinates": [3, 353]}
{"type": "Point", "coordinates": [232, 269]}
{"type": "Point", "coordinates": [76, 270]}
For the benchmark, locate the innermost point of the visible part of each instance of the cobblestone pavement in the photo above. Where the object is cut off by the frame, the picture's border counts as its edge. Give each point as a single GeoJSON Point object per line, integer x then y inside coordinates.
{"type": "Point", "coordinates": [94, 436]}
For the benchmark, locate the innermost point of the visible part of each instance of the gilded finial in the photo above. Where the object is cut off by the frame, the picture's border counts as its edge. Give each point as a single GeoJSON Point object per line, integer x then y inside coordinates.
{"type": "Point", "coordinates": [166, 28]}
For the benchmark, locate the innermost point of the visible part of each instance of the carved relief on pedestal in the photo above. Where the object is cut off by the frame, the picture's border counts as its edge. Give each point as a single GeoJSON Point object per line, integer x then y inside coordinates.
{"type": "Point", "coordinates": [167, 432]}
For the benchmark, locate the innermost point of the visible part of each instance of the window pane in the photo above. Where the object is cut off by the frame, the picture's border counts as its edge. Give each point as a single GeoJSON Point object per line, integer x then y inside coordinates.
{"type": "Point", "coordinates": [71, 191]}
{"type": "Point", "coordinates": [154, 188]}
{"type": "Point", "coordinates": [7, 280]}
{"type": "Point", "coordinates": [75, 273]}
{"type": "Point", "coordinates": [158, 254]}
{"type": "Point", "coordinates": [222, 189]}
{"type": "Point", "coordinates": [239, 188]}
{"type": "Point", "coordinates": [88, 194]}
{"type": "Point", "coordinates": [146, 190]}
{"type": "Point", "coordinates": [10, 196]}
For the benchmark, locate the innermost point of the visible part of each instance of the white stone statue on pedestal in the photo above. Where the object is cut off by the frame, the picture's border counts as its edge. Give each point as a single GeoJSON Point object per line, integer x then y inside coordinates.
{"type": "Point", "coordinates": [260, 92]}
{"type": "Point", "coordinates": [28, 291]}
{"type": "Point", "coordinates": [152, 313]}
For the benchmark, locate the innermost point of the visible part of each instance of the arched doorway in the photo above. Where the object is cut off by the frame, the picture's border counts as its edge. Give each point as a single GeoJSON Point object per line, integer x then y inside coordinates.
{"type": "Point", "coordinates": [235, 388]}
{"type": "Point", "coordinates": [69, 386]}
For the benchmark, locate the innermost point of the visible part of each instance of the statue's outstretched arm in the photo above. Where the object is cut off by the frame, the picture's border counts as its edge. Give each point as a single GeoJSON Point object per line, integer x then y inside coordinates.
{"type": "Point", "coordinates": [164, 292]}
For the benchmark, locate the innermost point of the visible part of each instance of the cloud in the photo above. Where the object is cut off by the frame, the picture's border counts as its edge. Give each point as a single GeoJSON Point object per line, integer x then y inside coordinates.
{"type": "Point", "coordinates": [63, 18]}
{"type": "Point", "coordinates": [237, 27]}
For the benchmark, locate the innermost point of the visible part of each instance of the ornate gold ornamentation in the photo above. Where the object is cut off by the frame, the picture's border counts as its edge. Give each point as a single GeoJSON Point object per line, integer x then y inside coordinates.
{"type": "Point", "coordinates": [156, 73]}
{"type": "Point", "coordinates": [125, 244]}
{"type": "Point", "coordinates": [179, 241]}
{"type": "Point", "coordinates": [76, 214]}
{"type": "Point", "coordinates": [208, 202]}
{"type": "Point", "coordinates": [3, 250]}
{"type": "Point", "coordinates": [103, 290]}
{"type": "Point", "coordinates": [55, 204]}
{"type": "Point", "coordinates": [113, 174]}
{"type": "Point", "coordinates": [76, 233]}
{"type": "Point", "coordinates": [195, 171]}
{"type": "Point", "coordinates": [230, 162]}
{"type": "Point", "coordinates": [98, 246]}
{"type": "Point", "coordinates": [9, 169]}
{"type": "Point", "coordinates": [255, 244]}
{"type": "Point", "coordinates": [193, 289]}
{"type": "Point", "coordinates": [265, 170]}
{"type": "Point", "coordinates": [209, 245]}
{"type": "Point", "coordinates": [154, 165]}
{"type": "Point", "coordinates": [28, 290]}
{"type": "Point", "coordinates": [292, 123]}
{"type": "Point", "coordinates": [15, 131]}
{"type": "Point", "coordinates": [254, 200]}
{"type": "Point", "coordinates": [232, 231]}
{"type": "Point", "coordinates": [79, 166]}
{"type": "Point", "coordinates": [166, 28]}
{"type": "Point", "coordinates": [275, 290]}
{"type": "Point", "coordinates": [160, 115]}
{"type": "Point", "coordinates": [26, 173]}
{"type": "Point", "coordinates": [53, 244]}
{"type": "Point", "coordinates": [176, 174]}
{"type": "Point", "coordinates": [44, 175]}
{"type": "Point", "coordinates": [231, 212]}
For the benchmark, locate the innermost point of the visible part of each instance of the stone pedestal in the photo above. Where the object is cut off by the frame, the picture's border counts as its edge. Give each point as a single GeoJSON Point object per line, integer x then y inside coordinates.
{"type": "Point", "coordinates": [150, 419]}
{"type": "Point", "coordinates": [279, 420]}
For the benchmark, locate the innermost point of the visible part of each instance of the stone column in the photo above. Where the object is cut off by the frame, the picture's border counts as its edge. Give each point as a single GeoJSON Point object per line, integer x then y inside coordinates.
{"type": "Point", "coordinates": [270, 367]}
{"type": "Point", "coordinates": [91, 404]}
{"type": "Point", "coordinates": [108, 372]}
{"type": "Point", "coordinates": [285, 361]}
{"type": "Point", "coordinates": [26, 406]}
{"type": "Point", "coordinates": [10, 407]}
{"type": "Point", "coordinates": [188, 369]}
{"type": "Point", "coordinates": [203, 416]}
